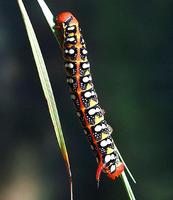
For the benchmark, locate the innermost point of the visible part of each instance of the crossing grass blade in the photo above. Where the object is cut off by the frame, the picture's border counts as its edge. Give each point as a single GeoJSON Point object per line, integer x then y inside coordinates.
{"type": "Point", "coordinates": [127, 186]}
{"type": "Point", "coordinates": [50, 19]}
{"type": "Point", "coordinates": [47, 89]}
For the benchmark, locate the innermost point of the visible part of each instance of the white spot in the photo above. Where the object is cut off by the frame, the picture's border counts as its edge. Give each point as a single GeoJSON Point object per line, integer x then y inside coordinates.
{"type": "Point", "coordinates": [98, 128]}
{"type": "Point", "coordinates": [112, 157]}
{"type": "Point", "coordinates": [109, 141]}
{"type": "Point", "coordinates": [107, 158]}
{"type": "Point", "coordinates": [90, 78]}
{"type": "Point", "coordinates": [70, 28]}
{"type": "Point", "coordinates": [91, 111]}
{"type": "Point", "coordinates": [71, 51]}
{"type": "Point", "coordinates": [71, 39]}
{"type": "Point", "coordinates": [93, 93]}
{"type": "Point", "coordinates": [85, 132]}
{"type": "Point", "coordinates": [112, 168]}
{"type": "Point", "coordinates": [69, 65]}
{"type": "Point", "coordinates": [84, 51]}
{"type": "Point", "coordinates": [73, 96]}
{"type": "Point", "coordinates": [85, 65]}
{"type": "Point", "coordinates": [103, 126]}
{"type": "Point", "coordinates": [97, 110]}
{"type": "Point", "coordinates": [103, 143]}
{"type": "Point", "coordinates": [66, 50]}
{"type": "Point", "coordinates": [85, 79]}
{"type": "Point", "coordinates": [87, 94]}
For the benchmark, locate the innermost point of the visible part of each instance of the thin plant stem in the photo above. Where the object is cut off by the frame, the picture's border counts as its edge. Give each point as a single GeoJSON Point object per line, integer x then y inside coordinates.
{"type": "Point", "coordinates": [47, 89]}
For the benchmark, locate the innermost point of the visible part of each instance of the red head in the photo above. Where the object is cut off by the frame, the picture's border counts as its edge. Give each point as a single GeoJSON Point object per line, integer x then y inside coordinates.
{"type": "Point", "coordinates": [113, 176]}
{"type": "Point", "coordinates": [118, 171]}
{"type": "Point", "coordinates": [64, 17]}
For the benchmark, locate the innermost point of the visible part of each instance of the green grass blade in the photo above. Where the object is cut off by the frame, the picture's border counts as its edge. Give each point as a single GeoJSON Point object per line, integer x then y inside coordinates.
{"type": "Point", "coordinates": [47, 89]}
{"type": "Point", "coordinates": [128, 171]}
{"type": "Point", "coordinates": [47, 13]}
{"type": "Point", "coordinates": [127, 186]}
{"type": "Point", "coordinates": [50, 19]}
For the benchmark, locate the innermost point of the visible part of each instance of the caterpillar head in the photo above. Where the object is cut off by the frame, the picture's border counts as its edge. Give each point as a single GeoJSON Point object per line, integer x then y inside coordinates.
{"type": "Point", "coordinates": [63, 21]}
{"type": "Point", "coordinates": [66, 18]}
{"type": "Point", "coordinates": [112, 175]}
{"type": "Point", "coordinates": [117, 172]}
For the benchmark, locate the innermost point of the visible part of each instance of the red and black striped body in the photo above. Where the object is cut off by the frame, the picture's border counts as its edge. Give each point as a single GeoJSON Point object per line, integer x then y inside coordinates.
{"type": "Point", "coordinates": [85, 98]}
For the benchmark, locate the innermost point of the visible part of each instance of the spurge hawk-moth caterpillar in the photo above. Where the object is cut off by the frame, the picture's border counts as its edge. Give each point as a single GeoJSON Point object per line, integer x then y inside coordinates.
{"type": "Point", "coordinates": [85, 97]}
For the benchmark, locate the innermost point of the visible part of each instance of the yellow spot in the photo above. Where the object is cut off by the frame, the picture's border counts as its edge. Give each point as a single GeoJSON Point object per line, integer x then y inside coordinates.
{"type": "Point", "coordinates": [87, 72]}
{"type": "Point", "coordinates": [104, 135]}
{"type": "Point", "coordinates": [98, 119]}
{"type": "Point", "coordinates": [92, 103]}
{"type": "Point", "coordinates": [71, 34]}
{"type": "Point", "coordinates": [109, 150]}
{"type": "Point", "coordinates": [89, 86]}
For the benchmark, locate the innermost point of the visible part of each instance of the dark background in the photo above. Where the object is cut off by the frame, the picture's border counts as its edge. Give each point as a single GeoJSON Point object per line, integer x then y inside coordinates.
{"type": "Point", "coordinates": [130, 46]}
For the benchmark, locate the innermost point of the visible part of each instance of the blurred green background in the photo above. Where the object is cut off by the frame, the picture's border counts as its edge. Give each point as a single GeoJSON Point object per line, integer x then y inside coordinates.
{"type": "Point", "coordinates": [130, 46]}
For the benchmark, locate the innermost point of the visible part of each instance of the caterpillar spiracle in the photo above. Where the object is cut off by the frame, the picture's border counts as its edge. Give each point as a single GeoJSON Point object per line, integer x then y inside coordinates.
{"type": "Point", "coordinates": [84, 96]}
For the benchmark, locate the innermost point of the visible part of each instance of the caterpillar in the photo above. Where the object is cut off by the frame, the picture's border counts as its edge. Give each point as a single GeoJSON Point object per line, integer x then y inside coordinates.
{"type": "Point", "coordinates": [84, 96]}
